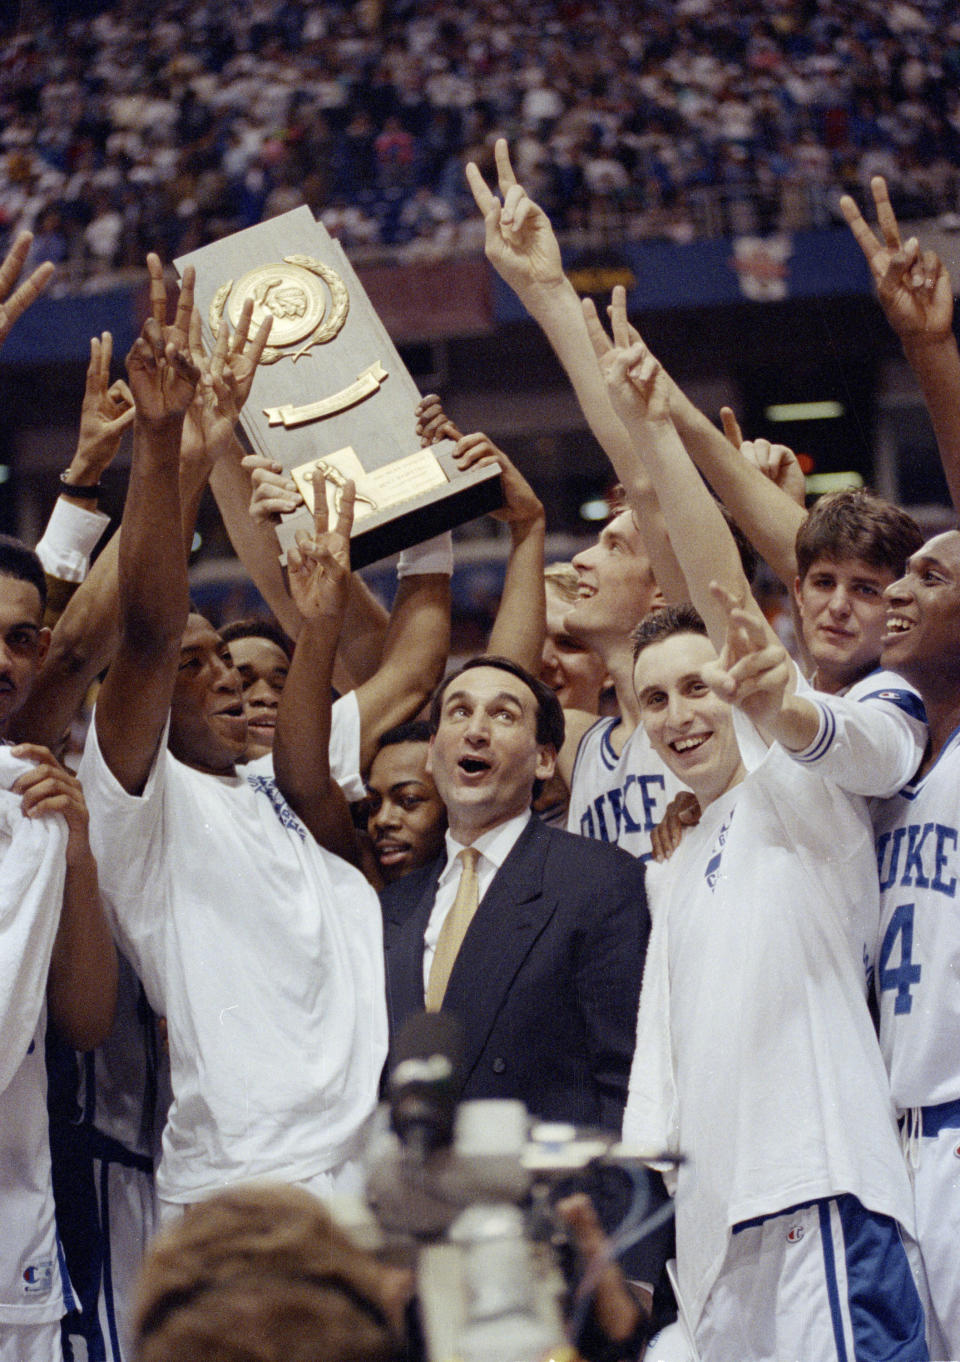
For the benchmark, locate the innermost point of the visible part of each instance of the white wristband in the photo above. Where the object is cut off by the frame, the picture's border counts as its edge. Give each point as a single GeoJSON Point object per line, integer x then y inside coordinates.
{"type": "Point", "coordinates": [71, 535]}
{"type": "Point", "coordinates": [432, 556]}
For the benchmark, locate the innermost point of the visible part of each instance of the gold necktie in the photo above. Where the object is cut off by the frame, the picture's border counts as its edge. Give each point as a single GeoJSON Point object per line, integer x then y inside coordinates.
{"type": "Point", "coordinates": [454, 928]}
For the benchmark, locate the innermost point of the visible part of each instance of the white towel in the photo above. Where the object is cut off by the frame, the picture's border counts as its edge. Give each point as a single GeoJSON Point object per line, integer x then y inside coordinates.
{"type": "Point", "coordinates": [32, 869]}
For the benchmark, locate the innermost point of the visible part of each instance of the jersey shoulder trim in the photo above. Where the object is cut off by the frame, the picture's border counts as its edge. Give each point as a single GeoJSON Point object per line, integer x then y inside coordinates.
{"type": "Point", "coordinates": [906, 700]}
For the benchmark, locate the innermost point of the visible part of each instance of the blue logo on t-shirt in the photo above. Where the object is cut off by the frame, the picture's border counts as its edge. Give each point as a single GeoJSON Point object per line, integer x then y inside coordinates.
{"type": "Point", "coordinates": [712, 872]}
{"type": "Point", "coordinates": [268, 786]}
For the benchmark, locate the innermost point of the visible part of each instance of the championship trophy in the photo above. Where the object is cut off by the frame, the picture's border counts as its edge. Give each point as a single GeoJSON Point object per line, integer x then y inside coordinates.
{"type": "Point", "coordinates": [331, 395]}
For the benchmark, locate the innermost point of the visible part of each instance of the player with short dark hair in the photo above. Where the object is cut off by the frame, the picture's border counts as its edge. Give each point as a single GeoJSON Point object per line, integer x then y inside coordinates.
{"type": "Point", "coordinates": [756, 1054]}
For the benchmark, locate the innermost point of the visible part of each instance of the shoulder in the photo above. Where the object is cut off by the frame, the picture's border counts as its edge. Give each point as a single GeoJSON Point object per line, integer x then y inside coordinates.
{"type": "Point", "coordinates": [588, 750]}
{"type": "Point", "coordinates": [397, 898]}
{"type": "Point", "coordinates": [588, 859]}
{"type": "Point", "coordinates": [890, 689]}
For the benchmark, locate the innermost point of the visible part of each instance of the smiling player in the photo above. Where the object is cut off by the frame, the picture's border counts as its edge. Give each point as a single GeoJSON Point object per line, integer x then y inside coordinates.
{"type": "Point", "coordinates": [918, 833]}
{"type": "Point", "coordinates": [755, 1053]}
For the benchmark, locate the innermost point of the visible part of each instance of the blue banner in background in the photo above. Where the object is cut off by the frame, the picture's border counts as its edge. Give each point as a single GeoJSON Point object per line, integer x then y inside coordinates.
{"type": "Point", "coordinates": [55, 330]}
{"type": "Point", "coordinates": [658, 275]}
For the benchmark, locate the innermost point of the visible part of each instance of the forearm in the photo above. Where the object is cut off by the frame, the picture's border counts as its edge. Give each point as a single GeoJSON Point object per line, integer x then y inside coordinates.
{"type": "Point", "coordinates": [414, 656]}
{"type": "Point", "coordinates": [254, 543]}
{"type": "Point", "coordinates": [82, 983]}
{"type": "Point", "coordinates": [705, 547]}
{"type": "Point", "coordinates": [767, 516]}
{"type": "Point", "coordinates": [363, 635]}
{"type": "Point", "coordinates": [936, 366]}
{"type": "Point", "coordinates": [83, 644]}
{"type": "Point", "coordinates": [154, 592]}
{"type": "Point", "coordinates": [519, 628]}
{"type": "Point", "coordinates": [558, 311]}
{"type": "Point", "coordinates": [796, 726]}
{"type": "Point", "coordinates": [301, 750]}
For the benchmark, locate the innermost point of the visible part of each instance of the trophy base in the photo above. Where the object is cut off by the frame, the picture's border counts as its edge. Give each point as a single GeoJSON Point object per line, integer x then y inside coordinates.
{"type": "Point", "coordinates": [384, 533]}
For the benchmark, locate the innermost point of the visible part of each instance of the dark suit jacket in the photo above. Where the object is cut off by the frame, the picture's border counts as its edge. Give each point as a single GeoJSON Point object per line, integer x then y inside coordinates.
{"type": "Point", "coordinates": [547, 980]}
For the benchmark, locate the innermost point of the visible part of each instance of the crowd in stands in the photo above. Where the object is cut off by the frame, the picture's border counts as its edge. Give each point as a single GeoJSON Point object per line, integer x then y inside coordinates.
{"type": "Point", "coordinates": [166, 128]}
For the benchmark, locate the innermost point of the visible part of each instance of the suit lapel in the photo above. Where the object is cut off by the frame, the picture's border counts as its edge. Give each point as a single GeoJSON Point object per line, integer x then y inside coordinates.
{"type": "Point", "coordinates": [511, 916]}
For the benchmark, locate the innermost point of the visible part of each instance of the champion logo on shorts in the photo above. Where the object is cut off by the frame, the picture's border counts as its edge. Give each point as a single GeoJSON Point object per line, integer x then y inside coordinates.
{"type": "Point", "coordinates": [38, 1277]}
{"type": "Point", "coordinates": [956, 1151]}
{"type": "Point", "coordinates": [795, 1233]}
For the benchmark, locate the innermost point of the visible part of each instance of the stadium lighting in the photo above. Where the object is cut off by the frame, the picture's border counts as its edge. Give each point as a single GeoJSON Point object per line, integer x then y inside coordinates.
{"type": "Point", "coordinates": [804, 411]}
{"type": "Point", "coordinates": [818, 483]}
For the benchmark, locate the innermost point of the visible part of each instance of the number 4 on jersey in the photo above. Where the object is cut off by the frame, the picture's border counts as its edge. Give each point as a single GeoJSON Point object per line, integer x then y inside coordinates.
{"type": "Point", "coordinates": [903, 976]}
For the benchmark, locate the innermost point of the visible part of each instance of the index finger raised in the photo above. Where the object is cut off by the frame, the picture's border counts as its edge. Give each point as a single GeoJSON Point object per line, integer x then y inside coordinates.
{"type": "Point", "coordinates": [731, 426]}
{"type": "Point", "coordinates": [13, 264]}
{"type": "Point", "coordinates": [260, 341]}
{"type": "Point", "coordinates": [598, 337]}
{"type": "Point", "coordinates": [158, 288]}
{"type": "Point", "coordinates": [483, 195]}
{"type": "Point", "coordinates": [862, 234]}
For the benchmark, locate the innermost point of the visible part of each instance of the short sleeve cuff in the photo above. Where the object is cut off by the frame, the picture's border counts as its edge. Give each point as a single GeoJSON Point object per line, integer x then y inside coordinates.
{"type": "Point", "coordinates": [432, 556]}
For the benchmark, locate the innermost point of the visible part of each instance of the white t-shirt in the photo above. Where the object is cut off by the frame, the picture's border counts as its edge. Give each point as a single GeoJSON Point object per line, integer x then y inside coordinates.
{"type": "Point", "coordinates": [32, 870]}
{"type": "Point", "coordinates": [918, 947]}
{"type": "Point", "coordinates": [263, 952]}
{"type": "Point", "coordinates": [756, 1056]}
{"type": "Point", "coordinates": [621, 798]}
{"type": "Point", "coordinates": [31, 1286]}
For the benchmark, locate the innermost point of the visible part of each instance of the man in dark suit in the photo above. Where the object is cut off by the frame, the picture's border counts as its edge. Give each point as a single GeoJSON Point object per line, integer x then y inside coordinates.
{"type": "Point", "coordinates": [532, 937]}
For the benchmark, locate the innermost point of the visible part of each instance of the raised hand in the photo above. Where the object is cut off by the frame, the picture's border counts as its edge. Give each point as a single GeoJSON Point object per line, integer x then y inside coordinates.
{"type": "Point", "coordinates": [163, 377]}
{"type": "Point", "coordinates": [753, 671]}
{"type": "Point", "coordinates": [433, 423]}
{"type": "Point", "coordinates": [775, 461]}
{"type": "Point", "coordinates": [638, 387]}
{"type": "Point", "coordinates": [275, 493]}
{"type": "Point", "coordinates": [106, 412]}
{"type": "Point", "coordinates": [913, 286]}
{"type": "Point", "coordinates": [521, 505]}
{"type": "Point", "coordinates": [226, 378]}
{"type": "Point", "coordinates": [16, 304]}
{"type": "Point", "coordinates": [318, 568]}
{"type": "Point", "coordinates": [520, 242]}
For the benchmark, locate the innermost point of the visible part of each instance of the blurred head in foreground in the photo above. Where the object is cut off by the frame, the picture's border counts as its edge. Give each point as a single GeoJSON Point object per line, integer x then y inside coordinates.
{"type": "Point", "coordinates": [262, 1274]}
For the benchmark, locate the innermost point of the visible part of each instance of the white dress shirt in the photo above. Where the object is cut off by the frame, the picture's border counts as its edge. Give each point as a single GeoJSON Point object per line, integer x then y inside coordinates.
{"type": "Point", "coordinates": [494, 848]}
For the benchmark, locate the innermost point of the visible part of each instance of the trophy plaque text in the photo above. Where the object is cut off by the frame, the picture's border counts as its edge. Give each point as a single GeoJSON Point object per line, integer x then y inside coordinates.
{"type": "Point", "coordinates": [332, 396]}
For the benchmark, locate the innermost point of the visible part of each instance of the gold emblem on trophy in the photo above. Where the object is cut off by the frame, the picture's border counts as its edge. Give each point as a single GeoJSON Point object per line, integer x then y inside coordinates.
{"type": "Point", "coordinates": [307, 300]}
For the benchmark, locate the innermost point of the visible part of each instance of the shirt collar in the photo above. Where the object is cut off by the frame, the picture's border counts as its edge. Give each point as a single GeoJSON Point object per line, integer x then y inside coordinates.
{"type": "Point", "coordinates": [494, 846]}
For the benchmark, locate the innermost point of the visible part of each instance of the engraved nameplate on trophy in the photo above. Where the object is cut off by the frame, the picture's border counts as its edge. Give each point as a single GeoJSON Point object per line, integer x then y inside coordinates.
{"type": "Point", "coordinates": [332, 390]}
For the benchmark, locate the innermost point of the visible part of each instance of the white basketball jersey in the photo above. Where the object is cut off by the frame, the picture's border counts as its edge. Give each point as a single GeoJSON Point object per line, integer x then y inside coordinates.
{"type": "Point", "coordinates": [619, 798]}
{"type": "Point", "coordinates": [918, 949]}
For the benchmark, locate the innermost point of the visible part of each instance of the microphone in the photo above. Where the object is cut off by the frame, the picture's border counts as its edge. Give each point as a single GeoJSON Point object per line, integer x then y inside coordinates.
{"type": "Point", "coordinates": [426, 1081]}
